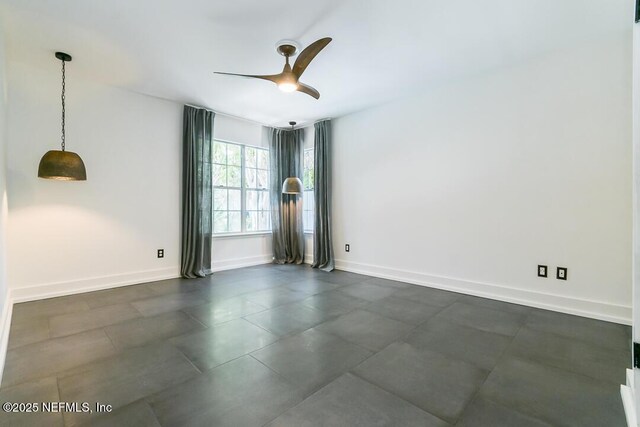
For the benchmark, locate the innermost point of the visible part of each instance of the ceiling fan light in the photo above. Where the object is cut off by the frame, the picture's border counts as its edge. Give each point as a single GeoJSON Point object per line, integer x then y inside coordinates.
{"type": "Point", "coordinates": [288, 87]}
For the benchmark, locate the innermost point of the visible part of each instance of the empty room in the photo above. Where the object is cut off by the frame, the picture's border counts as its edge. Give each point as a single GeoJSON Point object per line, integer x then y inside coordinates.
{"type": "Point", "coordinates": [346, 213]}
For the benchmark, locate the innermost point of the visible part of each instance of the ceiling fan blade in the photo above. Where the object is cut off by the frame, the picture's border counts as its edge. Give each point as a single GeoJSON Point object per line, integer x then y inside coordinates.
{"type": "Point", "coordinates": [273, 77]}
{"type": "Point", "coordinates": [308, 90]}
{"type": "Point", "coordinates": [307, 55]}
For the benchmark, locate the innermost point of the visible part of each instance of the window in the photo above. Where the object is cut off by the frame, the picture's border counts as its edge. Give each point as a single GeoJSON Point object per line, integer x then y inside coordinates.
{"type": "Point", "coordinates": [308, 177]}
{"type": "Point", "coordinates": [240, 188]}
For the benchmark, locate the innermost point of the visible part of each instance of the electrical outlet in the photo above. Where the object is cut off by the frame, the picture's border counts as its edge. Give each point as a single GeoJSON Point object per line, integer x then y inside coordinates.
{"type": "Point", "coordinates": [347, 247]}
{"type": "Point", "coordinates": [160, 253]}
{"type": "Point", "coordinates": [561, 273]}
{"type": "Point", "coordinates": [542, 270]}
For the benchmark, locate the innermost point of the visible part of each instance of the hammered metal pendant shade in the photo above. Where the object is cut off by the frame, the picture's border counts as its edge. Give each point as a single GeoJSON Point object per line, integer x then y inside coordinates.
{"type": "Point", "coordinates": [62, 165]}
{"type": "Point", "coordinates": [292, 185]}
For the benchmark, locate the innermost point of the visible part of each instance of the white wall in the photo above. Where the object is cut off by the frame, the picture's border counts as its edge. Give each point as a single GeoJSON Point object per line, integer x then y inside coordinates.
{"type": "Point", "coordinates": [631, 399]}
{"type": "Point", "coordinates": [5, 306]}
{"type": "Point", "coordinates": [78, 236]}
{"type": "Point", "coordinates": [105, 231]}
{"type": "Point", "coordinates": [471, 185]}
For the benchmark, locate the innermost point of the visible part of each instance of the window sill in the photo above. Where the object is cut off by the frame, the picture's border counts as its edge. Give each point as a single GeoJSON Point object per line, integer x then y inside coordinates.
{"type": "Point", "coordinates": [240, 235]}
{"type": "Point", "coordinates": [308, 233]}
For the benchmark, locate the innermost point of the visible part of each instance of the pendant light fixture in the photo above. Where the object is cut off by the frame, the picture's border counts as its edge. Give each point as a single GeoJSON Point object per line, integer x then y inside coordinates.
{"type": "Point", "coordinates": [292, 185]}
{"type": "Point", "coordinates": [62, 165]}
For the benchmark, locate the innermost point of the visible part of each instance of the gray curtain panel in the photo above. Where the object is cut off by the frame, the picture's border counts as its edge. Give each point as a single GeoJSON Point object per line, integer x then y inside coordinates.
{"type": "Point", "coordinates": [197, 189]}
{"type": "Point", "coordinates": [285, 154]}
{"type": "Point", "coordinates": [322, 242]}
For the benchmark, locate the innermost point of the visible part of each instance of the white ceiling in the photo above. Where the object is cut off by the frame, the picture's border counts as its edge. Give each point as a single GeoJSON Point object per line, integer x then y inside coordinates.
{"type": "Point", "coordinates": [380, 48]}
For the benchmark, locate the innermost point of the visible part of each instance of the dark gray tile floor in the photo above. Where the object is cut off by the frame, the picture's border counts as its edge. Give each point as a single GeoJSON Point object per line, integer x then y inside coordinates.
{"type": "Point", "coordinates": [293, 346]}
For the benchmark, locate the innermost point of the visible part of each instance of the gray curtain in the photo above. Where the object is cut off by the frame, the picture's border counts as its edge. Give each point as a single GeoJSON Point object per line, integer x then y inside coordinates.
{"type": "Point", "coordinates": [285, 154]}
{"type": "Point", "coordinates": [197, 189]}
{"type": "Point", "coordinates": [322, 242]}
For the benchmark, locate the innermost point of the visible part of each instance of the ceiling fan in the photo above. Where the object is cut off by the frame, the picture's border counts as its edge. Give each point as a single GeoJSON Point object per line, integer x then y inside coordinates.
{"type": "Point", "coordinates": [289, 79]}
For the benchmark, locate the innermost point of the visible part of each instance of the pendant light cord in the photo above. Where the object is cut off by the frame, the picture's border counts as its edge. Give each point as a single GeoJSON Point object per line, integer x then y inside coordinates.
{"type": "Point", "coordinates": [62, 98]}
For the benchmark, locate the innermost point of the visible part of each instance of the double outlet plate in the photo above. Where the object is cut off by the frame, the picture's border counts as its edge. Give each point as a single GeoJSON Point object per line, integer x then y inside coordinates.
{"type": "Point", "coordinates": [561, 272]}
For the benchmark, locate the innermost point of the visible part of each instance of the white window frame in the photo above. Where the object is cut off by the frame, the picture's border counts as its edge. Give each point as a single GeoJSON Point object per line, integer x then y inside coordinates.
{"type": "Point", "coordinates": [243, 193]}
{"type": "Point", "coordinates": [308, 194]}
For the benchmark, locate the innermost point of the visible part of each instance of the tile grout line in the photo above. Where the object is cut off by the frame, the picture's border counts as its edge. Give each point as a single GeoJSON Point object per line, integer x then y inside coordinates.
{"type": "Point", "coordinates": [499, 359]}
{"type": "Point", "coordinates": [130, 303]}
{"type": "Point", "coordinates": [315, 390]}
{"type": "Point", "coordinates": [184, 356]}
{"type": "Point", "coordinates": [355, 374]}
{"type": "Point", "coordinates": [64, 422]}
{"type": "Point", "coordinates": [285, 379]}
{"type": "Point", "coordinates": [564, 338]}
{"type": "Point", "coordinates": [115, 347]}
{"type": "Point", "coordinates": [401, 340]}
{"type": "Point", "coordinates": [190, 316]}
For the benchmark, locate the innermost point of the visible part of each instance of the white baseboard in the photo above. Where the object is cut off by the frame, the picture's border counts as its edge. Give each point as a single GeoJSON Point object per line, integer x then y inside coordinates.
{"type": "Point", "coordinates": [229, 264]}
{"type": "Point", "coordinates": [5, 324]}
{"type": "Point", "coordinates": [308, 259]}
{"type": "Point", "coordinates": [628, 400]}
{"type": "Point", "coordinates": [57, 289]}
{"type": "Point", "coordinates": [580, 307]}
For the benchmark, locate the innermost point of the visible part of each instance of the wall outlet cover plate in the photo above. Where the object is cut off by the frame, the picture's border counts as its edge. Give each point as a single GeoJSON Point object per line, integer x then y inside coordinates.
{"type": "Point", "coordinates": [561, 273]}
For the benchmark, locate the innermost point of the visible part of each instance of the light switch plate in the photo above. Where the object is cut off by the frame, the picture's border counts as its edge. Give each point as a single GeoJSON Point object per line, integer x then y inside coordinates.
{"type": "Point", "coordinates": [542, 270]}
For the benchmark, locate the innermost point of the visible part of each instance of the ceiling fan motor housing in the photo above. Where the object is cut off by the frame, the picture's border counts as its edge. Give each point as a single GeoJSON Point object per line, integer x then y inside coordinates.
{"type": "Point", "coordinates": [287, 48]}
